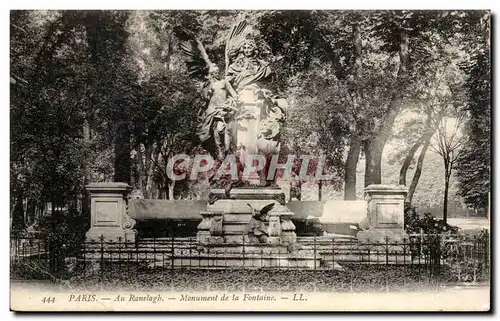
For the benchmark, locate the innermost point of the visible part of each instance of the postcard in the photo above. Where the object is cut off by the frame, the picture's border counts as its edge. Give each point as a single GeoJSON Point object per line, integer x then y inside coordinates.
{"type": "Point", "coordinates": [259, 160]}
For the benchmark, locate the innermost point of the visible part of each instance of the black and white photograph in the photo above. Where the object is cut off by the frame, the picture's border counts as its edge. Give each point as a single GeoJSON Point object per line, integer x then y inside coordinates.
{"type": "Point", "coordinates": [250, 160]}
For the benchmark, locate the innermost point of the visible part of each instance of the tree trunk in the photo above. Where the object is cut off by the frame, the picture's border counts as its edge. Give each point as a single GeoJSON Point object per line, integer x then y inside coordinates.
{"type": "Point", "coordinates": [148, 173]}
{"type": "Point", "coordinates": [154, 187]}
{"type": "Point", "coordinates": [373, 154]}
{"type": "Point", "coordinates": [142, 171]}
{"type": "Point", "coordinates": [423, 140]}
{"type": "Point", "coordinates": [320, 190]}
{"type": "Point", "coordinates": [448, 165]}
{"type": "Point", "coordinates": [122, 152]}
{"type": "Point", "coordinates": [171, 187]}
{"type": "Point", "coordinates": [375, 145]}
{"type": "Point", "coordinates": [166, 189]}
{"type": "Point", "coordinates": [53, 241]}
{"type": "Point", "coordinates": [418, 172]}
{"type": "Point", "coordinates": [86, 176]}
{"type": "Point", "coordinates": [168, 55]}
{"type": "Point", "coordinates": [86, 131]}
{"type": "Point", "coordinates": [350, 170]}
{"type": "Point", "coordinates": [30, 211]}
{"type": "Point", "coordinates": [408, 159]}
{"type": "Point", "coordinates": [445, 201]}
{"type": "Point", "coordinates": [355, 146]}
{"type": "Point", "coordinates": [18, 214]}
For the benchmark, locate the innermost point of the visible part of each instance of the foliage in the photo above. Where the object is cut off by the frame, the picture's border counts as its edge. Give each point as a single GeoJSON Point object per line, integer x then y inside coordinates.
{"type": "Point", "coordinates": [425, 223]}
{"type": "Point", "coordinates": [47, 110]}
{"type": "Point", "coordinates": [103, 95]}
{"type": "Point", "coordinates": [354, 278]}
{"type": "Point", "coordinates": [473, 165]}
{"type": "Point", "coordinates": [163, 125]}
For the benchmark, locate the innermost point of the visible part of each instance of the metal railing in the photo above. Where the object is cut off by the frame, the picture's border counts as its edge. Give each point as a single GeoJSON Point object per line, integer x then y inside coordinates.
{"type": "Point", "coordinates": [422, 259]}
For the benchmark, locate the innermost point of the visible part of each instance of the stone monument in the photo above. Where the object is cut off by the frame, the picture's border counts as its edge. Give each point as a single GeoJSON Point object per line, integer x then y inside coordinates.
{"type": "Point", "coordinates": [385, 214]}
{"type": "Point", "coordinates": [243, 118]}
{"type": "Point", "coordinates": [108, 211]}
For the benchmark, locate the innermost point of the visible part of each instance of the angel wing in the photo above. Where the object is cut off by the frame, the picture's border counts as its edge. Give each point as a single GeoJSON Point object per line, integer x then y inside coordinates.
{"type": "Point", "coordinates": [197, 60]}
{"type": "Point", "coordinates": [266, 209]}
{"type": "Point", "coordinates": [234, 40]}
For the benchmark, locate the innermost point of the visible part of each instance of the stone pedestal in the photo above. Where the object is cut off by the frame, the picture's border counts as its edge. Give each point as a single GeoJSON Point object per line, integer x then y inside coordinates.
{"type": "Point", "coordinates": [385, 214]}
{"type": "Point", "coordinates": [108, 210]}
{"type": "Point", "coordinates": [225, 221]}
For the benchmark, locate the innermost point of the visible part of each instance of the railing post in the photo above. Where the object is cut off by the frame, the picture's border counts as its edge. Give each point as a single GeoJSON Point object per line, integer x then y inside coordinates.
{"type": "Point", "coordinates": [129, 258]}
{"type": "Point", "coordinates": [387, 251]}
{"type": "Point", "coordinates": [190, 253]}
{"type": "Point", "coordinates": [243, 252]}
{"type": "Point", "coordinates": [84, 258]}
{"type": "Point", "coordinates": [439, 257]}
{"type": "Point", "coordinates": [486, 253]}
{"type": "Point", "coordinates": [102, 258]}
{"type": "Point", "coordinates": [475, 256]}
{"type": "Point", "coordinates": [419, 245]}
{"type": "Point", "coordinates": [333, 253]}
{"type": "Point", "coordinates": [261, 258]}
{"type": "Point", "coordinates": [120, 255]}
{"type": "Point", "coordinates": [136, 255]}
{"type": "Point", "coordinates": [172, 254]}
{"type": "Point", "coordinates": [387, 263]}
{"type": "Point", "coordinates": [38, 251]}
{"type": "Point", "coordinates": [154, 252]}
{"type": "Point", "coordinates": [314, 249]}
{"type": "Point", "coordinates": [404, 262]}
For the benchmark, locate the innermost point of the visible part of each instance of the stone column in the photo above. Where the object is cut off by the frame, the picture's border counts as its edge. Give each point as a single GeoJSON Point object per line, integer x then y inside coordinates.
{"type": "Point", "coordinates": [385, 209]}
{"type": "Point", "coordinates": [108, 209]}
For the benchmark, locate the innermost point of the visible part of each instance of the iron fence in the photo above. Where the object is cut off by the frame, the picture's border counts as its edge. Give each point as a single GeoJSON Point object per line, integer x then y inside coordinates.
{"type": "Point", "coordinates": [328, 262]}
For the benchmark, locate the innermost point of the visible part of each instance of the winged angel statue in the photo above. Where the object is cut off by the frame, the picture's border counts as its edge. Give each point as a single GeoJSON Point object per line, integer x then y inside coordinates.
{"type": "Point", "coordinates": [242, 116]}
{"type": "Point", "coordinates": [257, 229]}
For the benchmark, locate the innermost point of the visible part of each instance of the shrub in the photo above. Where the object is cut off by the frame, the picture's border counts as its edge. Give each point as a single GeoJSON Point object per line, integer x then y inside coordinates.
{"type": "Point", "coordinates": [426, 223]}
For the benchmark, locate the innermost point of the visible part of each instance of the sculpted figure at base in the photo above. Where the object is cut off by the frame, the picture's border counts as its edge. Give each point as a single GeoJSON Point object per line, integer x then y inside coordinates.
{"type": "Point", "coordinates": [242, 116]}
{"type": "Point", "coordinates": [257, 228]}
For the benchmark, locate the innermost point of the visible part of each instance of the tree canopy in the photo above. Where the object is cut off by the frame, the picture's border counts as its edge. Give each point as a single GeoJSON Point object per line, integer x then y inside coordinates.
{"type": "Point", "coordinates": [105, 95]}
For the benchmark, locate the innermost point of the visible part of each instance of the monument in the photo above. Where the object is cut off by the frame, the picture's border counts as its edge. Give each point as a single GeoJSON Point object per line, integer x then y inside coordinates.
{"type": "Point", "coordinates": [108, 212]}
{"type": "Point", "coordinates": [385, 214]}
{"type": "Point", "coordinates": [246, 219]}
{"type": "Point", "coordinates": [243, 118]}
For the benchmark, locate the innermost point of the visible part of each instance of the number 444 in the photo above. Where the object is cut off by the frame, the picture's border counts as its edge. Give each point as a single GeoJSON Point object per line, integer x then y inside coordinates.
{"type": "Point", "coordinates": [49, 299]}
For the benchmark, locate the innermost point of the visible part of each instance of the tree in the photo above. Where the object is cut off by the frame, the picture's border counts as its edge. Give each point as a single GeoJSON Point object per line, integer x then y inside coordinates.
{"type": "Point", "coordinates": [473, 165]}
{"type": "Point", "coordinates": [328, 44]}
{"type": "Point", "coordinates": [447, 143]}
{"type": "Point", "coordinates": [163, 125]}
{"type": "Point", "coordinates": [46, 153]}
{"type": "Point", "coordinates": [111, 79]}
{"type": "Point", "coordinates": [434, 94]}
{"type": "Point", "coordinates": [315, 124]}
{"type": "Point", "coordinates": [347, 76]}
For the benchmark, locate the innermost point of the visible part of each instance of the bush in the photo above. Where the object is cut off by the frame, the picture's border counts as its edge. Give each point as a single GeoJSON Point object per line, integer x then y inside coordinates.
{"type": "Point", "coordinates": [426, 223]}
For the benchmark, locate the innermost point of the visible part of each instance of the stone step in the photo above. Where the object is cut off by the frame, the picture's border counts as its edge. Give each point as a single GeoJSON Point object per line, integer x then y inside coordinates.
{"type": "Point", "coordinates": [213, 260]}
